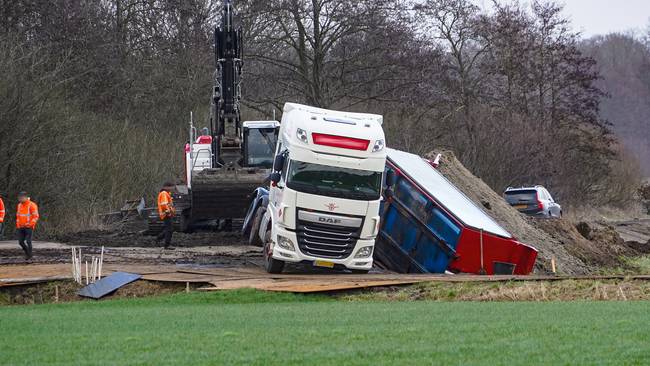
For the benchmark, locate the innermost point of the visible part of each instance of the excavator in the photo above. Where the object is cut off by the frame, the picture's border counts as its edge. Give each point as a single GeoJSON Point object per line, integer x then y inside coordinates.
{"type": "Point", "coordinates": [231, 158]}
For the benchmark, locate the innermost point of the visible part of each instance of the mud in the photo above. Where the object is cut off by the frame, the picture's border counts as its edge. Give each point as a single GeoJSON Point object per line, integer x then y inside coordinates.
{"type": "Point", "coordinates": [113, 238]}
{"type": "Point", "coordinates": [204, 249]}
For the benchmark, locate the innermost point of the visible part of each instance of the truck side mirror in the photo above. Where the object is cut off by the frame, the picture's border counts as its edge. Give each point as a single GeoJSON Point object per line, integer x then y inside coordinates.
{"type": "Point", "coordinates": [275, 178]}
{"type": "Point", "coordinates": [278, 163]}
{"type": "Point", "coordinates": [390, 178]}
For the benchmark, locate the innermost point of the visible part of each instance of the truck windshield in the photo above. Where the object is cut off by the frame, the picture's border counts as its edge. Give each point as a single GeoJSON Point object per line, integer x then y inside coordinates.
{"type": "Point", "coordinates": [261, 146]}
{"type": "Point", "coordinates": [334, 181]}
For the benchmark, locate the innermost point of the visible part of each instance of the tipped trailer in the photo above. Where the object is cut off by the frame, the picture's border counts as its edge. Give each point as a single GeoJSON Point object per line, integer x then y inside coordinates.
{"type": "Point", "coordinates": [429, 226]}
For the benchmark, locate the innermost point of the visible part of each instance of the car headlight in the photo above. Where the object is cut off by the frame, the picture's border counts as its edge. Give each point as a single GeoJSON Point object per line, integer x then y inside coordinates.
{"type": "Point", "coordinates": [379, 146]}
{"type": "Point", "coordinates": [302, 135]}
{"type": "Point", "coordinates": [364, 252]}
{"type": "Point", "coordinates": [285, 243]}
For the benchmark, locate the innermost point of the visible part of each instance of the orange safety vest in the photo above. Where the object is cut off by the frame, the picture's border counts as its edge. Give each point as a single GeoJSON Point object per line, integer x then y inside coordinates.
{"type": "Point", "coordinates": [165, 205]}
{"type": "Point", "coordinates": [26, 215]}
{"type": "Point", "coordinates": [2, 211]}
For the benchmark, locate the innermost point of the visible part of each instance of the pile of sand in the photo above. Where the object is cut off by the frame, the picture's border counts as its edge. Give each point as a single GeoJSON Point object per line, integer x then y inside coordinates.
{"type": "Point", "coordinates": [554, 238]}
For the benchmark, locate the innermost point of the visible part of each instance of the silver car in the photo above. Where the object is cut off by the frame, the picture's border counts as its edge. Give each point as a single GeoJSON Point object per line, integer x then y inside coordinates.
{"type": "Point", "coordinates": [533, 201]}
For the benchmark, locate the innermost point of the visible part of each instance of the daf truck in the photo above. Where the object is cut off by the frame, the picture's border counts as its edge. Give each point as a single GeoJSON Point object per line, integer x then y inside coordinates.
{"type": "Point", "coordinates": [322, 204]}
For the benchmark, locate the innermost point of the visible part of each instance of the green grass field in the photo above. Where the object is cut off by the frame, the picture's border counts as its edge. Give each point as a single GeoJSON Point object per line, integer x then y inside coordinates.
{"type": "Point", "coordinates": [249, 327]}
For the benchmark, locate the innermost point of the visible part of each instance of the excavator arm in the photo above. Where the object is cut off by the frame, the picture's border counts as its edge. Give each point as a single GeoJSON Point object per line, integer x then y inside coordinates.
{"type": "Point", "coordinates": [225, 116]}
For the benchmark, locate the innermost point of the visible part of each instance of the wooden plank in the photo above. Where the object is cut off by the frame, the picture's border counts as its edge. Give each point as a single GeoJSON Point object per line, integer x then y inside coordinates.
{"type": "Point", "coordinates": [177, 277]}
{"type": "Point", "coordinates": [328, 286]}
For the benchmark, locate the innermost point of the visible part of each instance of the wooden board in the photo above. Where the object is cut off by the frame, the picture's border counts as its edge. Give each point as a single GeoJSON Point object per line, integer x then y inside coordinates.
{"type": "Point", "coordinates": [252, 277]}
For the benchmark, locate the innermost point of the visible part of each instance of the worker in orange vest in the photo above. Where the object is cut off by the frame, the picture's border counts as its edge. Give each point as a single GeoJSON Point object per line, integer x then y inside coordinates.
{"type": "Point", "coordinates": [26, 219]}
{"type": "Point", "coordinates": [166, 212]}
{"type": "Point", "coordinates": [2, 218]}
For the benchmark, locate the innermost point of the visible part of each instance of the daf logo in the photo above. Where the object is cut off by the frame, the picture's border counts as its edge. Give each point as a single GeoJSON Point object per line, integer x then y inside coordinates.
{"type": "Point", "coordinates": [329, 220]}
{"type": "Point", "coordinates": [331, 206]}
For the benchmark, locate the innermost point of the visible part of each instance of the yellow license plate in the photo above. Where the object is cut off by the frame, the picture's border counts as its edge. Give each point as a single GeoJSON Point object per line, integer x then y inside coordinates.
{"type": "Point", "coordinates": [324, 264]}
{"type": "Point", "coordinates": [520, 206]}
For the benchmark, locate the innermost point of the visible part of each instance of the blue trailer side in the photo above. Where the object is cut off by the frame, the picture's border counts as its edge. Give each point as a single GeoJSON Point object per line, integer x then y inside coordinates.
{"type": "Point", "coordinates": [416, 236]}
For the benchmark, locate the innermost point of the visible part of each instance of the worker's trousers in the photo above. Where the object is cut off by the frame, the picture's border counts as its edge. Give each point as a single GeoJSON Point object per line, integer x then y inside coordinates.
{"type": "Point", "coordinates": [168, 229]}
{"type": "Point", "coordinates": [25, 240]}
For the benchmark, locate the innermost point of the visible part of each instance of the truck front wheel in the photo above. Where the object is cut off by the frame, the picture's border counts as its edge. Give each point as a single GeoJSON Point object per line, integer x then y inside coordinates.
{"type": "Point", "coordinates": [271, 264]}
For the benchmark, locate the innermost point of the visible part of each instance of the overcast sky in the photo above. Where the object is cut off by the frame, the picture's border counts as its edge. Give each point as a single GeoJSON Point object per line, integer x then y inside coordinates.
{"type": "Point", "coordinates": [592, 17]}
{"type": "Point", "coordinates": [605, 16]}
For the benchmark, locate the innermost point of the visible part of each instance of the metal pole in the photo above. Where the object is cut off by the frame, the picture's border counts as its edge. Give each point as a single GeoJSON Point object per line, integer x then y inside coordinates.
{"type": "Point", "coordinates": [482, 267]}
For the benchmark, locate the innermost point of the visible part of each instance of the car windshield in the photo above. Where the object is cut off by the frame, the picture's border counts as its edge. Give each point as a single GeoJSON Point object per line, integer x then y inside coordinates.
{"type": "Point", "coordinates": [261, 147]}
{"type": "Point", "coordinates": [521, 196]}
{"type": "Point", "coordinates": [334, 181]}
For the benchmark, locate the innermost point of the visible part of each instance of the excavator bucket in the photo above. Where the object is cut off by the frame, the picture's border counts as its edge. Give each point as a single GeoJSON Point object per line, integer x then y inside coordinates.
{"type": "Point", "coordinates": [221, 193]}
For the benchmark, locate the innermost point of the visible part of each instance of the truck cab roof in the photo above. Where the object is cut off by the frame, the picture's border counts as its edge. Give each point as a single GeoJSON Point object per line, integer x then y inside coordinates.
{"type": "Point", "coordinates": [357, 136]}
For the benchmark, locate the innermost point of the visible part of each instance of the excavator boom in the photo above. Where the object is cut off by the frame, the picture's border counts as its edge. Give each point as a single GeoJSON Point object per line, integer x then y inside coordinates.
{"type": "Point", "coordinates": [225, 113]}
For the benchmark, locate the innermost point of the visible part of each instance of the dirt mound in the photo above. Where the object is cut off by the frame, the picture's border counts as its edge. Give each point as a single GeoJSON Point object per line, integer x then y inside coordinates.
{"type": "Point", "coordinates": [553, 238]}
{"type": "Point", "coordinates": [598, 246]}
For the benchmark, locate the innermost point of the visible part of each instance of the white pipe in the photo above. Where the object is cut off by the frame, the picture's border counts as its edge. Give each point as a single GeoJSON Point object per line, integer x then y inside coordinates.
{"type": "Point", "coordinates": [72, 262]}
{"type": "Point", "coordinates": [73, 265]}
{"type": "Point", "coordinates": [92, 270]}
{"type": "Point", "coordinates": [87, 273]}
{"type": "Point", "coordinates": [80, 266]}
{"type": "Point", "coordinates": [101, 263]}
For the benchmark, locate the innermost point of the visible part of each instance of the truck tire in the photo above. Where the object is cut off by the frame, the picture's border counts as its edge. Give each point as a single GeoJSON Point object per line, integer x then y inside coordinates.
{"type": "Point", "coordinates": [185, 222]}
{"type": "Point", "coordinates": [271, 265]}
{"type": "Point", "coordinates": [248, 220]}
{"type": "Point", "coordinates": [254, 234]}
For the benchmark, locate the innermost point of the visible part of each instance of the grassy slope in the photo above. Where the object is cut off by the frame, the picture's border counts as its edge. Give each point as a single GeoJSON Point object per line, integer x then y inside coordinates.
{"type": "Point", "coordinates": [257, 328]}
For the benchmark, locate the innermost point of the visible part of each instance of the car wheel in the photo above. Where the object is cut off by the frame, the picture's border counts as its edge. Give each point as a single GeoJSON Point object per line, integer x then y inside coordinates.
{"type": "Point", "coordinates": [254, 234]}
{"type": "Point", "coordinates": [271, 265]}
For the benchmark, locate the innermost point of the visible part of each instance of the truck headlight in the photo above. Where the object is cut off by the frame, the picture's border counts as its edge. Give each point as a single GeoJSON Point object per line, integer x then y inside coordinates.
{"type": "Point", "coordinates": [302, 135]}
{"type": "Point", "coordinates": [364, 252]}
{"type": "Point", "coordinates": [285, 243]}
{"type": "Point", "coordinates": [379, 146]}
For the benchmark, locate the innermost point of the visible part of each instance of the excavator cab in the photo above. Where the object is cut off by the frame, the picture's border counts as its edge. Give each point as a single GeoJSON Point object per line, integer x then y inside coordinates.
{"type": "Point", "coordinates": [260, 138]}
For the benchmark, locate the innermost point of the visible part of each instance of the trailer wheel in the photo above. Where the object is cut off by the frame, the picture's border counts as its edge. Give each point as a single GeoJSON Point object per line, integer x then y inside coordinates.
{"type": "Point", "coordinates": [271, 264]}
{"type": "Point", "coordinates": [254, 234]}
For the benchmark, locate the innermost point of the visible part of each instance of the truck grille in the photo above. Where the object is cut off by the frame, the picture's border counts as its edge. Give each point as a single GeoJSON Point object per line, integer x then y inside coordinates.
{"type": "Point", "coordinates": [326, 241]}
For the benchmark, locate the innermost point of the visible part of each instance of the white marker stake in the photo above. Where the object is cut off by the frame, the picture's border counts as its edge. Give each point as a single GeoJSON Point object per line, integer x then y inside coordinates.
{"type": "Point", "coordinates": [92, 270]}
{"type": "Point", "coordinates": [72, 262]}
{"type": "Point", "coordinates": [101, 263]}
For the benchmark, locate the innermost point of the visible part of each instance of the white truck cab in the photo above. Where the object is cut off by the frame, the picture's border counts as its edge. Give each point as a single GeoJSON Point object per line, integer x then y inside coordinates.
{"type": "Point", "coordinates": [325, 189]}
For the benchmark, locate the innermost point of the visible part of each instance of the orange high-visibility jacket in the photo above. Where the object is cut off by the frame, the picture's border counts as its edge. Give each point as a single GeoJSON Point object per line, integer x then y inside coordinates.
{"type": "Point", "coordinates": [2, 211]}
{"type": "Point", "coordinates": [165, 205]}
{"type": "Point", "coordinates": [26, 215]}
